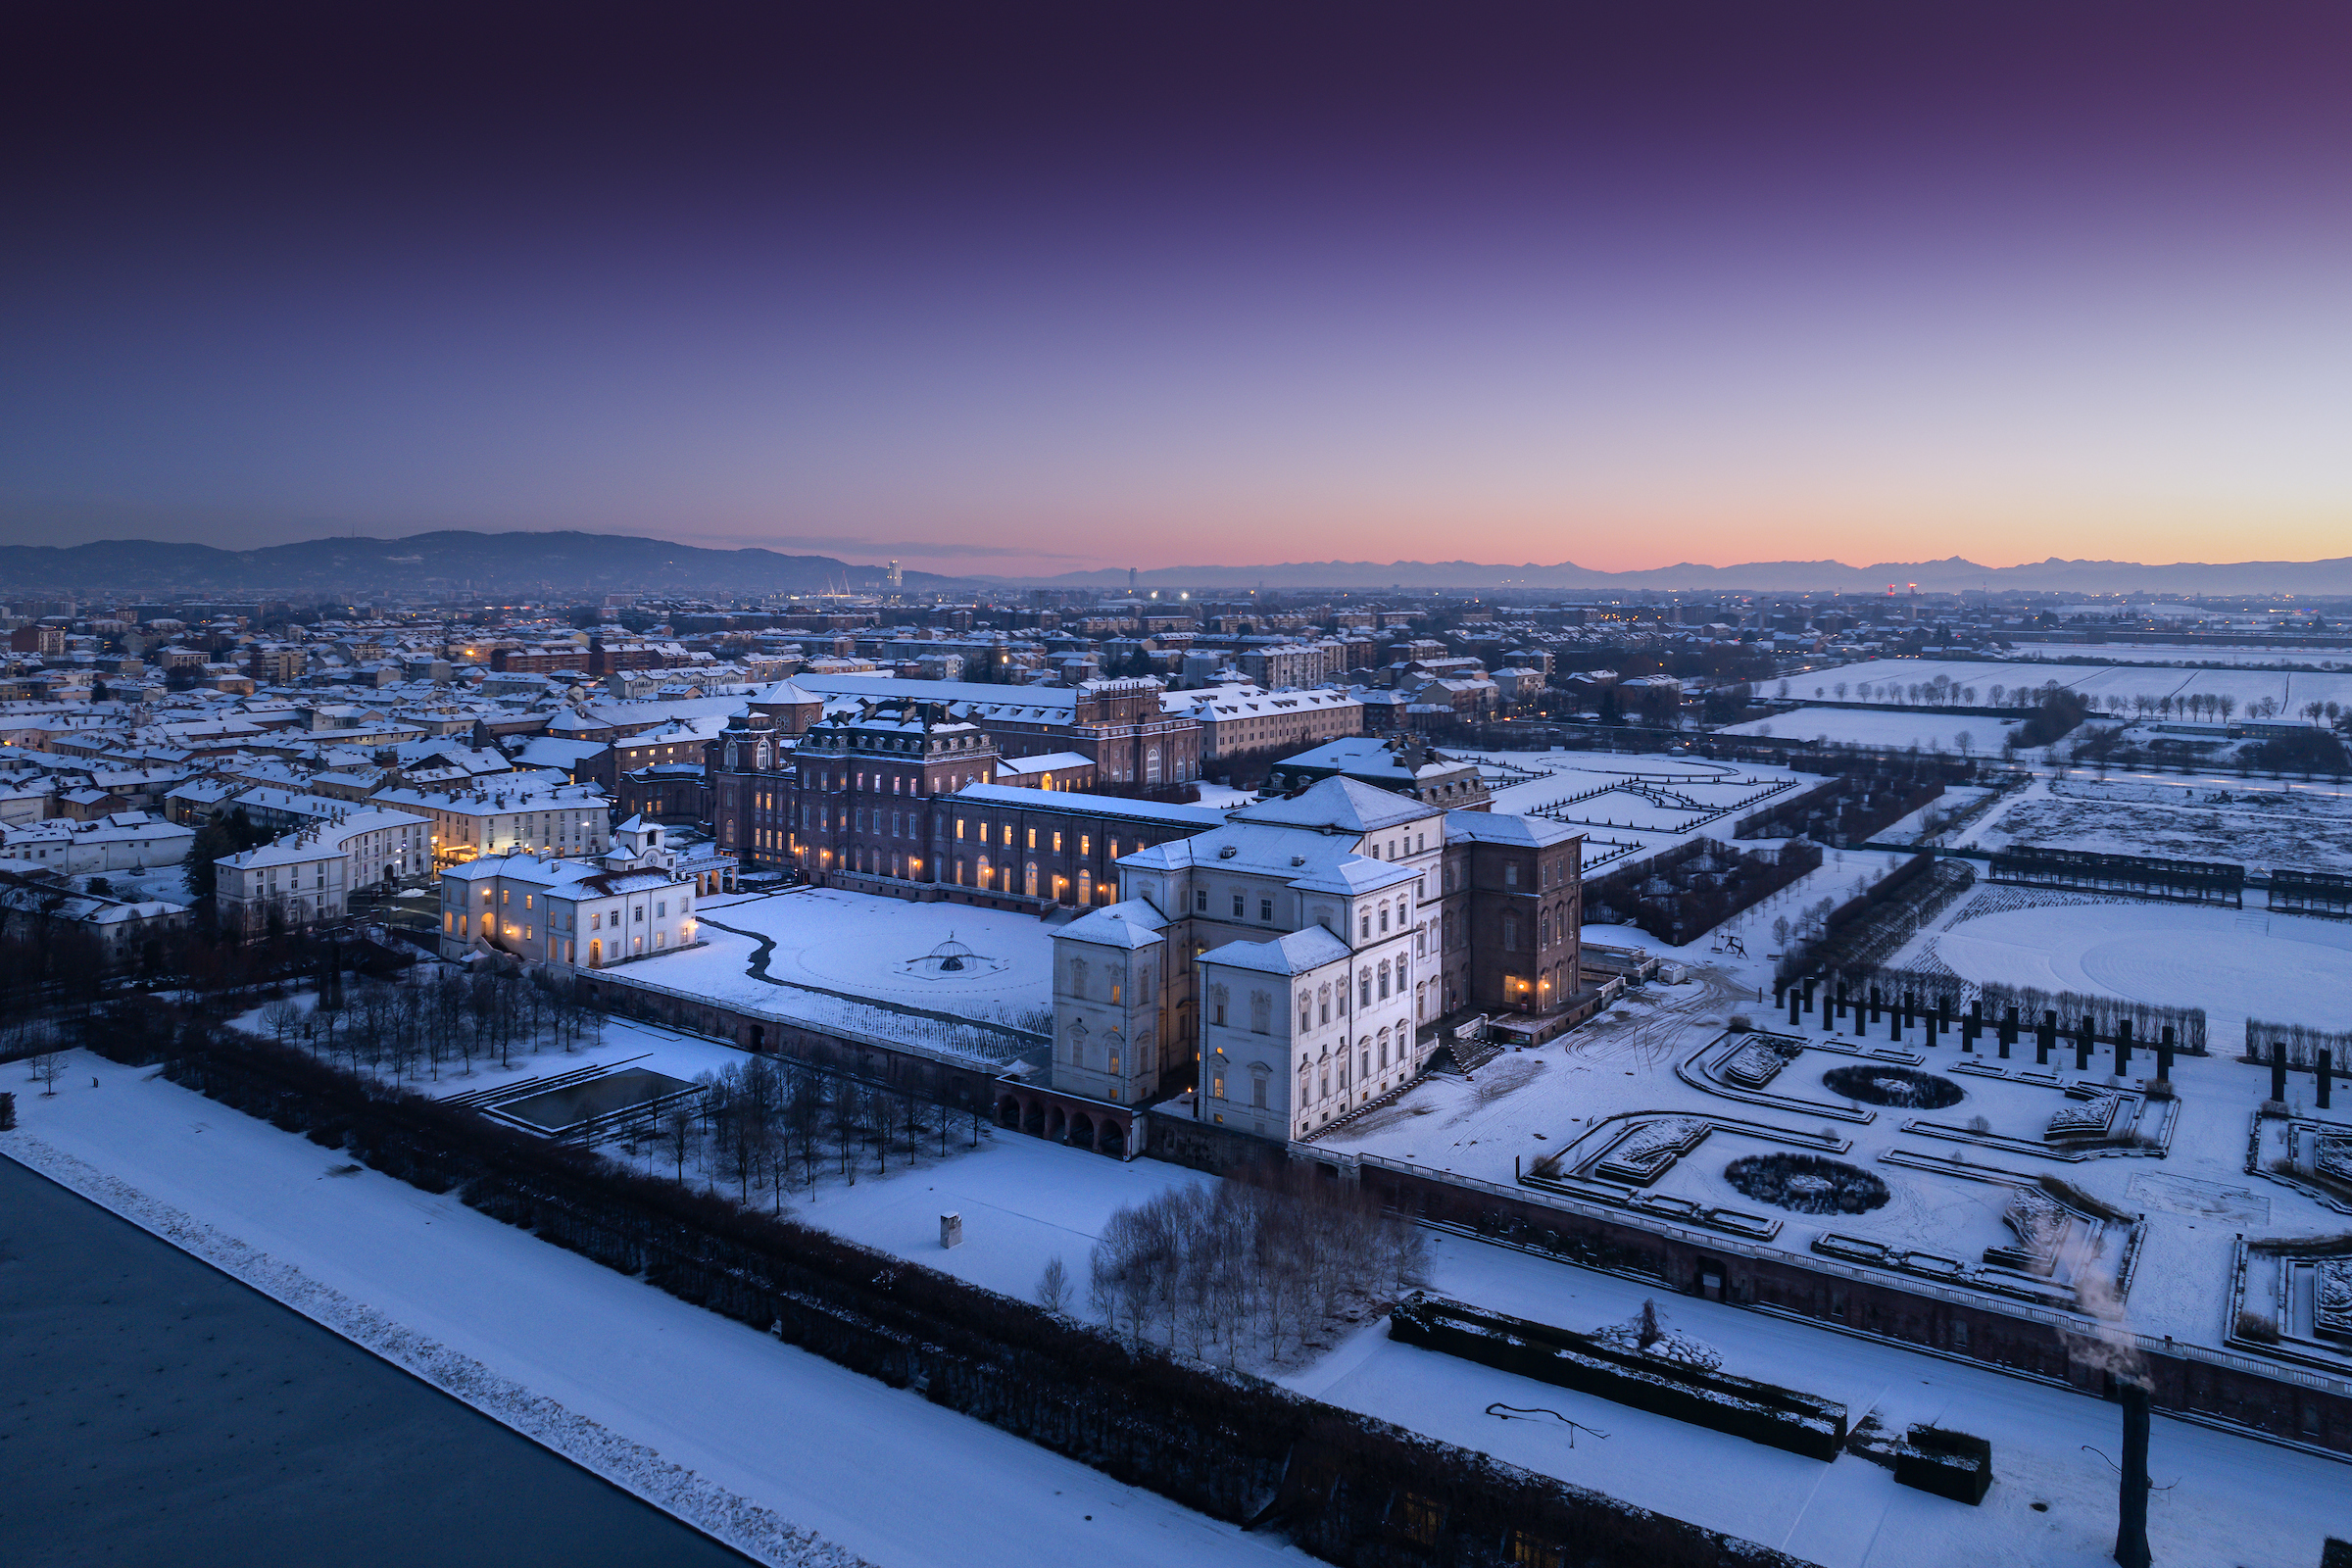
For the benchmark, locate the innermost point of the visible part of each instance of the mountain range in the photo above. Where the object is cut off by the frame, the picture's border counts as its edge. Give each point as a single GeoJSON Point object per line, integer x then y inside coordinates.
{"type": "Point", "coordinates": [552, 565]}
{"type": "Point", "coordinates": [531, 565]}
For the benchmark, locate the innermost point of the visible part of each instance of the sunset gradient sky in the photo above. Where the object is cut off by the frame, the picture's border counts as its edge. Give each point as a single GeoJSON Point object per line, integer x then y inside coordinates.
{"type": "Point", "coordinates": [1017, 289]}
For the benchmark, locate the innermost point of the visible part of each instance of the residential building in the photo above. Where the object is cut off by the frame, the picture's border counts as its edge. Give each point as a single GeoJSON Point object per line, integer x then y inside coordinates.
{"type": "Point", "coordinates": [122, 841]}
{"type": "Point", "coordinates": [511, 812]}
{"type": "Point", "coordinates": [308, 876]}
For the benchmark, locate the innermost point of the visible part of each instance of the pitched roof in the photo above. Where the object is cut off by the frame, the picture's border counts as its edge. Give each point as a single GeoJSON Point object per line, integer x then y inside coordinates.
{"type": "Point", "coordinates": [1338, 805]}
{"type": "Point", "coordinates": [1293, 953]}
{"type": "Point", "coordinates": [1130, 923]}
{"type": "Point", "coordinates": [1495, 827]}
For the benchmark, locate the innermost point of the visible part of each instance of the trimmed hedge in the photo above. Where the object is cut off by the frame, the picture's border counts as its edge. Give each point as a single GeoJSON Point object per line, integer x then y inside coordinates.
{"type": "Point", "coordinates": [1761, 1412]}
{"type": "Point", "coordinates": [1949, 1464]}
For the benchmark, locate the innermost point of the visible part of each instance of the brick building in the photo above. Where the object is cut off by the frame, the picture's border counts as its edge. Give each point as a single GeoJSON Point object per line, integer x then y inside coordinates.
{"type": "Point", "coordinates": [903, 798]}
{"type": "Point", "coordinates": [1139, 744]}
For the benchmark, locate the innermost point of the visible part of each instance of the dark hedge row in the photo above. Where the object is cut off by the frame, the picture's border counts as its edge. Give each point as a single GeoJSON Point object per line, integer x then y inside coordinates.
{"type": "Point", "coordinates": [1761, 1412]}
{"type": "Point", "coordinates": [1347, 1489]}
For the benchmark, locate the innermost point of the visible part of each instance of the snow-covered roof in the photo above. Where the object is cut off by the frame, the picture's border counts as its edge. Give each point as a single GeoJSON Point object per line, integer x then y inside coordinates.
{"type": "Point", "coordinates": [1051, 761]}
{"type": "Point", "coordinates": [1294, 953]}
{"type": "Point", "coordinates": [1496, 827]}
{"type": "Point", "coordinates": [1103, 806]}
{"type": "Point", "coordinates": [323, 840]}
{"type": "Point", "coordinates": [1130, 923]}
{"type": "Point", "coordinates": [1338, 805]}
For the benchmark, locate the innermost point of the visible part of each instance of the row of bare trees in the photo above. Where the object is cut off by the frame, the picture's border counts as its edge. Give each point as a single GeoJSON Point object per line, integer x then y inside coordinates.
{"type": "Point", "coordinates": [770, 1123]}
{"type": "Point", "coordinates": [1246, 1269]}
{"type": "Point", "coordinates": [434, 1021]}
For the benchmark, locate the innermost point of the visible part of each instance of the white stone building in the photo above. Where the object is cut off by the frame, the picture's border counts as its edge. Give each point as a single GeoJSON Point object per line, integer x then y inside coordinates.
{"type": "Point", "coordinates": [121, 841]}
{"type": "Point", "coordinates": [1289, 950]}
{"type": "Point", "coordinates": [631, 902]}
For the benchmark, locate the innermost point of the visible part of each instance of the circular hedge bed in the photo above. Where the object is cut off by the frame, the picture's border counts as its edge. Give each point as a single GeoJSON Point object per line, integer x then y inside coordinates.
{"type": "Point", "coordinates": [1809, 1184]}
{"type": "Point", "coordinates": [1894, 1086]}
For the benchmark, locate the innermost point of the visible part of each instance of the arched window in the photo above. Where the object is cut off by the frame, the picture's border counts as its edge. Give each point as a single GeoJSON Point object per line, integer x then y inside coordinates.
{"type": "Point", "coordinates": [1384, 980]}
{"type": "Point", "coordinates": [1363, 987]}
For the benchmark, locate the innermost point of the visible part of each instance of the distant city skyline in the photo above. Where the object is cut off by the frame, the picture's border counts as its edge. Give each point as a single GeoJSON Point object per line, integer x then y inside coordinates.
{"type": "Point", "coordinates": [1042, 292]}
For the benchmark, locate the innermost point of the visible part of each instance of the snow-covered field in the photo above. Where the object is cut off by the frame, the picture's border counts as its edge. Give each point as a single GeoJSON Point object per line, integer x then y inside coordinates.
{"type": "Point", "coordinates": [2297, 655]}
{"type": "Point", "coordinates": [2256, 824]}
{"type": "Point", "coordinates": [715, 1420]}
{"type": "Point", "coordinates": [1927, 728]}
{"type": "Point", "coordinates": [1890, 680]}
{"type": "Point", "coordinates": [2287, 968]}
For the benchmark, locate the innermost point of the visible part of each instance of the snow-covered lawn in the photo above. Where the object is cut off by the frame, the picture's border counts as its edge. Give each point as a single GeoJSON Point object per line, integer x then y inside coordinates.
{"type": "Point", "coordinates": [1927, 728]}
{"type": "Point", "coordinates": [860, 945]}
{"type": "Point", "coordinates": [2261, 824]}
{"type": "Point", "coordinates": [2287, 968]}
{"type": "Point", "coordinates": [624, 1378]}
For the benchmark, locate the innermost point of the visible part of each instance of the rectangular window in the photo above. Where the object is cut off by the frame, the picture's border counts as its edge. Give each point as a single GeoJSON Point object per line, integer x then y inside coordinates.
{"type": "Point", "coordinates": [1086, 844]}
{"type": "Point", "coordinates": [1056, 844]}
{"type": "Point", "coordinates": [1265, 908]}
{"type": "Point", "coordinates": [959, 827]}
{"type": "Point", "coordinates": [1200, 899]}
{"type": "Point", "coordinates": [1240, 906]}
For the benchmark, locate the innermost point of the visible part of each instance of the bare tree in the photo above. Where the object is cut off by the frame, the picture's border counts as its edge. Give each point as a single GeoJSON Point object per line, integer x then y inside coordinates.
{"type": "Point", "coordinates": [1054, 1286]}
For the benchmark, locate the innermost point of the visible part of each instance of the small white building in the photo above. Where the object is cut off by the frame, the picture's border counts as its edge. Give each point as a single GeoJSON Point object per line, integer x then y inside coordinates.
{"type": "Point", "coordinates": [631, 902]}
{"type": "Point", "coordinates": [310, 874]}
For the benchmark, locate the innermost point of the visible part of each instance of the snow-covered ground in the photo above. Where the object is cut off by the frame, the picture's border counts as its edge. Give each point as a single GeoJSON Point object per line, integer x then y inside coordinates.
{"type": "Point", "coordinates": [889, 1476]}
{"type": "Point", "coordinates": [2260, 823]}
{"type": "Point", "coordinates": [624, 1377]}
{"type": "Point", "coordinates": [868, 963]}
{"type": "Point", "coordinates": [2287, 968]}
{"type": "Point", "coordinates": [1890, 680]}
{"type": "Point", "coordinates": [1526, 1105]}
{"type": "Point", "coordinates": [1927, 728]}
{"type": "Point", "coordinates": [2299, 656]}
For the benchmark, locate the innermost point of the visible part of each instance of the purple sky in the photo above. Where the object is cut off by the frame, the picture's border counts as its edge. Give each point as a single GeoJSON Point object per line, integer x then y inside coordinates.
{"type": "Point", "coordinates": [1010, 290]}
